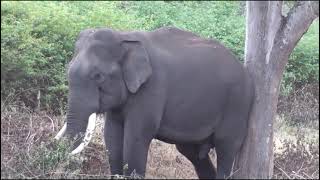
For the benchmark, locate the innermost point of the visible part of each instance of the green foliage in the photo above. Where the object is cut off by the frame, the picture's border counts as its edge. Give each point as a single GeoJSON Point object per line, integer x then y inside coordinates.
{"type": "Point", "coordinates": [45, 161]}
{"type": "Point", "coordinates": [37, 39]}
{"type": "Point", "coordinates": [303, 65]}
{"type": "Point", "coordinates": [225, 22]}
{"type": "Point", "coordinates": [218, 20]}
{"type": "Point", "coordinates": [47, 158]}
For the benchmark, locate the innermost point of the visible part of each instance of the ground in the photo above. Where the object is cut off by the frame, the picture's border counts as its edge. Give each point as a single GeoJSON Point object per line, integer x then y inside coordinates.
{"type": "Point", "coordinates": [29, 151]}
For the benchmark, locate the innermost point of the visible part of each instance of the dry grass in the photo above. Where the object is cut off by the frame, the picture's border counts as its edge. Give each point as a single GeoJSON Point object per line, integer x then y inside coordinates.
{"type": "Point", "coordinates": [296, 151]}
{"type": "Point", "coordinates": [298, 160]}
{"type": "Point", "coordinates": [301, 107]}
{"type": "Point", "coordinates": [296, 135]}
{"type": "Point", "coordinates": [28, 151]}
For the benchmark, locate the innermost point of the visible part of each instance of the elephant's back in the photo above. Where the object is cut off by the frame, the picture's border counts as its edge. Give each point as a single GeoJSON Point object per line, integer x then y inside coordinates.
{"type": "Point", "coordinates": [198, 74]}
{"type": "Point", "coordinates": [186, 54]}
{"type": "Point", "coordinates": [184, 47]}
{"type": "Point", "coordinates": [175, 40]}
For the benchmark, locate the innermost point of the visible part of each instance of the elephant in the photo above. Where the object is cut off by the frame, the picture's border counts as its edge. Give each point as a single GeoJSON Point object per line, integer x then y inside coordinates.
{"type": "Point", "coordinates": [167, 84]}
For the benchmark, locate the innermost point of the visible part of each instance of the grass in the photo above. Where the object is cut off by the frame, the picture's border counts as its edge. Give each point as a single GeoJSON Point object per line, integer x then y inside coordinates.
{"type": "Point", "coordinates": [296, 135]}
{"type": "Point", "coordinates": [29, 151]}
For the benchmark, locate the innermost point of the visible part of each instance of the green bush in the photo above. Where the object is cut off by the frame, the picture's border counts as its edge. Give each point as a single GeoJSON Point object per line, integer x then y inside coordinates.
{"type": "Point", "coordinates": [37, 40]}
{"type": "Point", "coordinates": [218, 20]}
{"type": "Point", "coordinates": [303, 65]}
{"type": "Point", "coordinates": [225, 21]}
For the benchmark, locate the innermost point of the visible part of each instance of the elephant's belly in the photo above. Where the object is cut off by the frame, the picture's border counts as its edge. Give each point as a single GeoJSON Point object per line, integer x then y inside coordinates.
{"type": "Point", "coordinates": [196, 95]}
{"type": "Point", "coordinates": [175, 137]}
{"type": "Point", "coordinates": [191, 117]}
{"type": "Point", "coordinates": [185, 129]}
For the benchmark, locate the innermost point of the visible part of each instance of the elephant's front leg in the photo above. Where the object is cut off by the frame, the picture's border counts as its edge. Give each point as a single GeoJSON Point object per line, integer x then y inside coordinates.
{"type": "Point", "coordinates": [137, 138]}
{"type": "Point", "coordinates": [113, 136]}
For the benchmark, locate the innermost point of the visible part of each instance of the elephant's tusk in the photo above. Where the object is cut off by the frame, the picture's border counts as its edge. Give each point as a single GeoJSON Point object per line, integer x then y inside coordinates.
{"type": "Point", "coordinates": [78, 149]}
{"type": "Point", "coordinates": [88, 134]}
{"type": "Point", "coordinates": [61, 132]}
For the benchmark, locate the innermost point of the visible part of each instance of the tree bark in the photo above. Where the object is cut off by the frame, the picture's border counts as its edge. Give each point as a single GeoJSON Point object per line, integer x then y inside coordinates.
{"type": "Point", "coordinates": [270, 39]}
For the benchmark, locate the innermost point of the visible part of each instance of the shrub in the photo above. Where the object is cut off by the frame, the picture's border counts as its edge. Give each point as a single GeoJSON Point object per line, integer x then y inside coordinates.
{"type": "Point", "coordinates": [303, 65]}
{"type": "Point", "coordinates": [219, 20]}
{"type": "Point", "coordinates": [37, 40]}
{"type": "Point", "coordinates": [28, 149]}
{"type": "Point", "coordinates": [225, 21]}
{"type": "Point", "coordinates": [298, 160]}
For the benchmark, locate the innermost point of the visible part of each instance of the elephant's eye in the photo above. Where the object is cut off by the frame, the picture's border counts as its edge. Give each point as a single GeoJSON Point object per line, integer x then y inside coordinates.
{"type": "Point", "coordinates": [98, 77]}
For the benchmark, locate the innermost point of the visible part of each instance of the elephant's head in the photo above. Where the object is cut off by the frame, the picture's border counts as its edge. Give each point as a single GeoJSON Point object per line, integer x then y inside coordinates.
{"type": "Point", "coordinates": [106, 68]}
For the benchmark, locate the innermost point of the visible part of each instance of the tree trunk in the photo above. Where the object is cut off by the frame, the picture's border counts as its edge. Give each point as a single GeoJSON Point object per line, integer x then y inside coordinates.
{"type": "Point", "coordinates": [270, 38]}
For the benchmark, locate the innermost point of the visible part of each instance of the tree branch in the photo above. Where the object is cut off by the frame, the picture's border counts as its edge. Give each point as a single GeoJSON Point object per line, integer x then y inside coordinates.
{"type": "Point", "coordinates": [299, 18]}
{"type": "Point", "coordinates": [274, 20]}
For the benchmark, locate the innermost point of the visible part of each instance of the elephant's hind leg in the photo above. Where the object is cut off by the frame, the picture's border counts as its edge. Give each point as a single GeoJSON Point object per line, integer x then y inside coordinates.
{"type": "Point", "coordinates": [202, 164]}
{"type": "Point", "coordinates": [231, 132]}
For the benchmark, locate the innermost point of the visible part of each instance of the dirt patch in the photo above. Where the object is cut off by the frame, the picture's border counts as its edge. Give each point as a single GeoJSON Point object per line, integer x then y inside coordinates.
{"type": "Point", "coordinates": [301, 107]}
{"type": "Point", "coordinates": [28, 151]}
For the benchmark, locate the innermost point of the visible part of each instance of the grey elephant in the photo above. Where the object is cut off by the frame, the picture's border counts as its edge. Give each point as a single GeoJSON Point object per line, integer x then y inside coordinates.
{"type": "Point", "coordinates": [168, 84]}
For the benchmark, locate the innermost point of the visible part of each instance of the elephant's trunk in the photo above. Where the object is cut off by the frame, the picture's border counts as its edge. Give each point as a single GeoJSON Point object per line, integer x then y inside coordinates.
{"type": "Point", "coordinates": [81, 118]}
{"type": "Point", "coordinates": [87, 136]}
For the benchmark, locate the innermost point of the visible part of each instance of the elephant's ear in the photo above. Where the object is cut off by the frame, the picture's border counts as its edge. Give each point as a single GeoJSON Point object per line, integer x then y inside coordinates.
{"type": "Point", "coordinates": [136, 64]}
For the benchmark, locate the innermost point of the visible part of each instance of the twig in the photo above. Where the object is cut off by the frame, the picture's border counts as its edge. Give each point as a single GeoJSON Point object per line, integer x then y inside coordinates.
{"type": "Point", "coordinates": [80, 174]}
{"type": "Point", "coordinates": [38, 138]}
{"type": "Point", "coordinates": [282, 171]}
{"type": "Point", "coordinates": [297, 175]}
{"type": "Point", "coordinates": [314, 172]}
{"type": "Point", "coordinates": [51, 122]}
{"type": "Point", "coordinates": [232, 173]}
{"type": "Point", "coordinates": [30, 128]}
{"type": "Point", "coordinates": [38, 99]}
{"type": "Point", "coordinates": [28, 170]}
{"type": "Point", "coordinates": [307, 175]}
{"type": "Point", "coordinates": [30, 143]}
{"type": "Point", "coordinates": [8, 135]}
{"type": "Point", "coordinates": [300, 167]}
{"type": "Point", "coordinates": [14, 95]}
{"type": "Point", "coordinates": [16, 172]}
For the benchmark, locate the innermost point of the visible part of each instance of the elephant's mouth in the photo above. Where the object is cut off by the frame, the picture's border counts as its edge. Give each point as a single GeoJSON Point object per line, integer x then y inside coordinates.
{"type": "Point", "coordinates": [87, 137]}
{"type": "Point", "coordinates": [101, 108]}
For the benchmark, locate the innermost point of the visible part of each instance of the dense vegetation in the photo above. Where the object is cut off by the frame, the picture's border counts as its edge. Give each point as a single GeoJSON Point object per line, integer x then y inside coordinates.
{"type": "Point", "coordinates": [37, 43]}
{"type": "Point", "coordinates": [37, 40]}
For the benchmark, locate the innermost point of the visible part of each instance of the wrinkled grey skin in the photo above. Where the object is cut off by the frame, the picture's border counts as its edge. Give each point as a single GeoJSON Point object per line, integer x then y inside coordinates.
{"type": "Point", "coordinates": [167, 84]}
